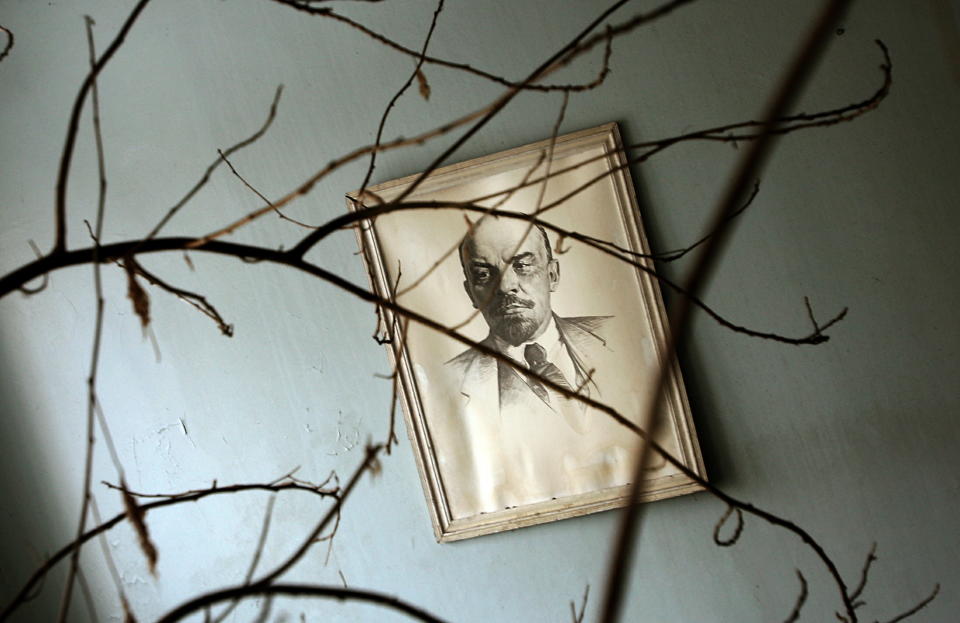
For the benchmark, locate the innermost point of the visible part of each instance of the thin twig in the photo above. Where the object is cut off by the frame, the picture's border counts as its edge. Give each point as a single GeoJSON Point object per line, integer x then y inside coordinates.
{"type": "Point", "coordinates": [481, 116]}
{"type": "Point", "coordinates": [794, 615]}
{"type": "Point", "coordinates": [920, 606]}
{"type": "Point", "coordinates": [46, 278]}
{"type": "Point", "coordinates": [676, 254]}
{"type": "Point", "coordinates": [817, 337]}
{"type": "Point", "coordinates": [63, 174]}
{"type": "Point", "coordinates": [729, 133]}
{"type": "Point", "coordinates": [216, 163]}
{"type": "Point", "coordinates": [396, 96]}
{"type": "Point", "coordinates": [9, 45]}
{"type": "Point", "coordinates": [260, 195]}
{"type": "Point", "coordinates": [369, 462]}
{"type": "Point", "coordinates": [97, 331]}
{"type": "Point", "coordinates": [464, 67]}
{"type": "Point", "coordinates": [197, 301]}
{"type": "Point", "coordinates": [87, 595]}
{"type": "Point", "coordinates": [723, 134]}
{"type": "Point", "coordinates": [737, 531]}
{"type": "Point", "coordinates": [575, 616]}
{"type": "Point", "coordinates": [108, 557]}
{"type": "Point", "coordinates": [261, 542]}
{"type": "Point", "coordinates": [394, 396]}
{"type": "Point", "coordinates": [24, 594]}
{"type": "Point", "coordinates": [554, 62]}
{"type": "Point", "coordinates": [280, 484]}
{"type": "Point", "coordinates": [871, 557]}
{"type": "Point", "coordinates": [108, 438]}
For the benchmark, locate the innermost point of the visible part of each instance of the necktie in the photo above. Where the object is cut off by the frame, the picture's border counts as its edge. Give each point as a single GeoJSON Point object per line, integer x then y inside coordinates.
{"type": "Point", "coordinates": [536, 357]}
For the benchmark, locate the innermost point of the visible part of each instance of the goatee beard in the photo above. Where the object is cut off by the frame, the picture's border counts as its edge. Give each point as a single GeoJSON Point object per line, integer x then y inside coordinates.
{"type": "Point", "coordinates": [516, 331]}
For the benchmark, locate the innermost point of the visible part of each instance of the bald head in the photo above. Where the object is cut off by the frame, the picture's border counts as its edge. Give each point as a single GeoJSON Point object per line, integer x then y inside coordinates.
{"type": "Point", "coordinates": [509, 274]}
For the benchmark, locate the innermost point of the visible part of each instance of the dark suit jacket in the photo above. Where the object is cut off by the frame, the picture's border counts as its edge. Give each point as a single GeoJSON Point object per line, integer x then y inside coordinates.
{"type": "Point", "coordinates": [487, 376]}
{"type": "Point", "coordinates": [502, 446]}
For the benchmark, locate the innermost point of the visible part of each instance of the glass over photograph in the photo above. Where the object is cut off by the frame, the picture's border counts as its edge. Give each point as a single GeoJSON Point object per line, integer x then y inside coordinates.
{"type": "Point", "coordinates": [497, 447]}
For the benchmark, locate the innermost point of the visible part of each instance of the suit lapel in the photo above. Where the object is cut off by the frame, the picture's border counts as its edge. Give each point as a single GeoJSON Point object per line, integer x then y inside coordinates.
{"type": "Point", "coordinates": [582, 344]}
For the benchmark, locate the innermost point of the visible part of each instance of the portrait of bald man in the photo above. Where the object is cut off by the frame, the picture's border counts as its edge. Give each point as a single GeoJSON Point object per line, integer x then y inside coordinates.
{"type": "Point", "coordinates": [517, 440]}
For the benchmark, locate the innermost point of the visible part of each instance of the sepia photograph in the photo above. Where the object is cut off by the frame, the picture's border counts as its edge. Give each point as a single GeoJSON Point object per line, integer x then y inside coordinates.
{"type": "Point", "coordinates": [494, 249]}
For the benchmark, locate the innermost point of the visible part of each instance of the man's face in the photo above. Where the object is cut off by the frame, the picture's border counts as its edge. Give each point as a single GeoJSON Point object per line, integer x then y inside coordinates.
{"type": "Point", "coordinates": [509, 278]}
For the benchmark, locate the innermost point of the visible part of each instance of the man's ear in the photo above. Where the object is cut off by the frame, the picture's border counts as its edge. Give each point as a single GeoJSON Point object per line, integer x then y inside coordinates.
{"type": "Point", "coordinates": [553, 273]}
{"type": "Point", "coordinates": [466, 288]}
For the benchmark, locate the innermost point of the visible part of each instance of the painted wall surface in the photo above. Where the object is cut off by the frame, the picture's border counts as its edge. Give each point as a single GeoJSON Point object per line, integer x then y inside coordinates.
{"type": "Point", "coordinates": [854, 439]}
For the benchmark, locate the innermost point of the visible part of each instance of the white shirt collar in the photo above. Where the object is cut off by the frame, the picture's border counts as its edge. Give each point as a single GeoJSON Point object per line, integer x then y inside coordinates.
{"type": "Point", "coordinates": [551, 342]}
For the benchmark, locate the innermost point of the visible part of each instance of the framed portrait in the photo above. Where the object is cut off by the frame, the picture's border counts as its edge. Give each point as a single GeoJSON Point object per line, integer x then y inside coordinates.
{"type": "Point", "coordinates": [501, 435]}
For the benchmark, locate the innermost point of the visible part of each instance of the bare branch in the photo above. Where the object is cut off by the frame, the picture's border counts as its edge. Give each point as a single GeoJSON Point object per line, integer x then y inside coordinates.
{"type": "Point", "coordinates": [87, 595]}
{"type": "Point", "coordinates": [575, 616]}
{"type": "Point", "coordinates": [40, 573]}
{"type": "Point", "coordinates": [748, 169]}
{"type": "Point", "coordinates": [137, 517]}
{"type": "Point", "coordinates": [111, 564]}
{"type": "Point", "coordinates": [737, 531]}
{"type": "Point", "coordinates": [920, 606]}
{"type": "Point", "coordinates": [571, 88]}
{"type": "Point", "coordinates": [46, 278]}
{"type": "Point", "coordinates": [794, 615]}
{"type": "Point", "coordinates": [369, 463]}
{"type": "Point", "coordinates": [63, 174]}
{"type": "Point", "coordinates": [98, 322]}
{"type": "Point", "coordinates": [724, 133]}
{"type": "Point", "coordinates": [482, 116]}
{"type": "Point", "coordinates": [197, 301]}
{"type": "Point", "coordinates": [871, 557]}
{"type": "Point", "coordinates": [817, 337]}
{"type": "Point", "coordinates": [676, 254]}
{"type": "Point", "coordinates": [261, 542]}
{"type": "Point", "coordinates": [417, 73]}
{"type": "Point", "coordinates": [287, 481]}
{"type": "Point", "coordinates": [554, 62]}
{"type": "Point", "coordinates": [299, 590]}
{"type": "Point", "coordinates": [9, 45]}
{"type": "Point", "coordinates": [259, 194]}
{"type": "Point", "coordinates": [253, 138]}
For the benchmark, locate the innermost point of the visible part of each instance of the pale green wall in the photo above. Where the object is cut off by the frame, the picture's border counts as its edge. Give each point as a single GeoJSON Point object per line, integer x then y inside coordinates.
{"type": "Point", "coordinates": [854, 439]}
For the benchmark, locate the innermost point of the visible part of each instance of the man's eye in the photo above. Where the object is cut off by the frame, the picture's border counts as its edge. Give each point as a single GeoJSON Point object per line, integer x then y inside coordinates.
{"type": "Point", "coordinates": [481, 275]}
{"type": "Point", "coordinates": [523, 267]}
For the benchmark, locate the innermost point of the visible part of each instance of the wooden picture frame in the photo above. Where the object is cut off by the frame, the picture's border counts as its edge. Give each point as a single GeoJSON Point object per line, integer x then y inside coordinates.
{"type": "Point", "coordinates": [495, 448]}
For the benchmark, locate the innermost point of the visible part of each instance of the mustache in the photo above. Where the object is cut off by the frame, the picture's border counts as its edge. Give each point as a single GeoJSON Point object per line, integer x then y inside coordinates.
{"type": "Point", "coordinates": [501, 303]}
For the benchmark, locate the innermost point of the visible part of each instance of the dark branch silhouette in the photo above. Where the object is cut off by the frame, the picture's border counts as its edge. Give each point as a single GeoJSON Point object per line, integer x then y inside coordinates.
{"type": "Point", "coordinates": [751, 163]}
{"type": "Point", "coordinates": [417, 73]}
{"type": "Point", "coordinates": [197, 301]}
{"type": "Point", "coordinates": [259, 194]}
{"type": "Point", "coordinates": [253, 138]}
{"type": "Point", "coordinates": [34, 582]}
{"type": "Point", "coordinates": [464, 67]}
{"type": "Point", "coordinates": [97, 331]}
{"type": "Point", "coordinates": [917, 608]}
{"type": "Point", "coordinates": [299, 590]}
{"type": "Point", "coordinates": [871, 558]}
{"type": "Point", "coordinates": [794, 615]}
{"type": "Point", "coordinates": [9, 45]}
{"type": "Point", "coordinates": [759, 135]}
{"type": "Point", "coordinates": [63, 175]}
